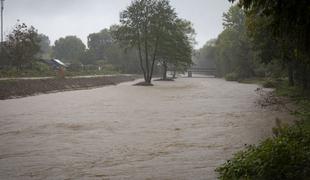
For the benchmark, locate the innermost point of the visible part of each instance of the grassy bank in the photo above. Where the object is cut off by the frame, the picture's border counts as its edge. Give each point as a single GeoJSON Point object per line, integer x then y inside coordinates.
{"type": "Point", "coordinates": [286, 155]}
{"type": "Point", "coordinates": [27, 87]}
{"type": "Point", "coordinates": [43, 71]}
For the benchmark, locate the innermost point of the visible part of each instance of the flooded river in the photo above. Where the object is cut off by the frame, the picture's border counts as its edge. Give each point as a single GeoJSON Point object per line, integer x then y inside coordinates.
{"type": "Point", "coordinates": [174, 130]}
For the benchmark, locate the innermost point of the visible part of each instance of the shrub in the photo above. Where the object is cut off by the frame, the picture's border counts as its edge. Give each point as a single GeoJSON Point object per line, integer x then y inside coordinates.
{"type": "Point", "coordinates": [260, 72]}
{"type": "Point", "coordinates": [283, 157]}
{"type": "Point", "coordinates": [35, 69]}
{"type": "Point", "coordinates": [231, 77]}
{"type": "Point", "coordinates": [269, 83]}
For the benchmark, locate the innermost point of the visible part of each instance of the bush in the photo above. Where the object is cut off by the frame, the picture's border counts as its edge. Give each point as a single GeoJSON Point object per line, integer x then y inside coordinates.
{"type": "Point", "coordinates": [269, 83]}
{"type": "Point", "coordinates": [231, 77]}
{"type": "Point", "coordinates": [37, 69]}
{"type": "Point", "coordinates": [284, 157]}
{"type": "Point", "coordinates": [41, 67]}
{"type": "Point", "coordinates": [260, 72]}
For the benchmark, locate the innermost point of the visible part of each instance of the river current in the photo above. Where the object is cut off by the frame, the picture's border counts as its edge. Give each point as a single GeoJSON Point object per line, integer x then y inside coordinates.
{"type": "Point", "coordinates": [174, 130]}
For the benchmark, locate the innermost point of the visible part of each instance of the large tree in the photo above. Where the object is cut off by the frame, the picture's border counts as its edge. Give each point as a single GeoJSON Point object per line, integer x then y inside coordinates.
{"type": "Point", "coordinates": [142, 25]}
{"type": "Point", "coordinates": [22, 45]}
{"type": "Point", "coordinates": [176, 47]}
{"type": "Point", "coordinates": [98, 43]}
{"type": "Point", "coordinates": [289, 22]}
{"type": "Point", "coordinates": [45, 48]}
{"type": "Point", "coordinates": [206, 56]}
{"type": "Point", "coordinates": [234, 48]}
{"type": "Point", "coordinates": [105, 49]}
{"type": "Point", "coordinates": [69, 49]}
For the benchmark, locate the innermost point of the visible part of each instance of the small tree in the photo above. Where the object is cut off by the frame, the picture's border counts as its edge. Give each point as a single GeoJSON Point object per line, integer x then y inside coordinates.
{"type": "Point", "coordinates": [22, 45]}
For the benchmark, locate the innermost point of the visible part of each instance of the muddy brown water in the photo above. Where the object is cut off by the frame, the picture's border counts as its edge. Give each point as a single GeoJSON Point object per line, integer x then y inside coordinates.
{"type": "Point", "coordinates": [174, 130]}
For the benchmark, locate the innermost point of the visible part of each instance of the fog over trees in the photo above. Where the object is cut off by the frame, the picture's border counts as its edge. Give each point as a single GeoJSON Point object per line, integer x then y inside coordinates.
{"type": "Point", "coordinates": [260, 45]}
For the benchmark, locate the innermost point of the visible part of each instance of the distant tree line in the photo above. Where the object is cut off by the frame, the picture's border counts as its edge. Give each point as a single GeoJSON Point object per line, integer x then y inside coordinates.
{"type": "Point", "coordinates": [149, 39]}
{"type": "Point", "coordinates": [24, 46]}
{"type": "Point", "coordinates": [103, 50]}
{"type": "Point", "coordinates": [262, 39]}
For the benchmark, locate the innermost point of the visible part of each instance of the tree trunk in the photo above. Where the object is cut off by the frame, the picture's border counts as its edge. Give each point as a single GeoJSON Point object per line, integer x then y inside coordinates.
{"type": "Point", "coordinates": [154, 58]}
{"type": "Point", "coordinates": [146, 50]}
{"type": "Point", "coordinates": [147, 61]}
{"type": "Point", "coordinates": [165, 70]}
{"type": "Point", "coordinates": [305, 77]}
{"type": "Point", "coordinates": [290, 73]}
{"type": "Point", "coordinates": [141, 58]}
{"type": "Point", "coordinates": [174, 73]}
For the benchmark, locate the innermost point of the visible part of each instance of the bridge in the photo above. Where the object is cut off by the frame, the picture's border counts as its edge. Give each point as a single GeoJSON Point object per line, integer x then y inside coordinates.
{"type": "Point", "coordinates": [207, 71]}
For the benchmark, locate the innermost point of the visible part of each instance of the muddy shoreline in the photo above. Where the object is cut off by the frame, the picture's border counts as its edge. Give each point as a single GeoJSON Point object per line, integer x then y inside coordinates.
{"type": "Point", "coordinates": [17, 88]}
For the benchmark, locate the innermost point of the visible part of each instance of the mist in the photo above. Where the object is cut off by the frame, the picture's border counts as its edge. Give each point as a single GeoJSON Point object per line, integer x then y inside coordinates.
{"type": "Point", "coordinates": [57, 18]}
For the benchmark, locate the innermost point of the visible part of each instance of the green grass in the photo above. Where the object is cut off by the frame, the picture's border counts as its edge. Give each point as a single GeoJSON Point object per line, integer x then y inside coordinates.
{"type": "Point", "coordinates": [265, 82]}
{"type": "Point", "coordinates": [91, 72]}
{"type": "Point", "coordinates": [13, 73]}
{"type": "Point", "coordinates": [252, 80]}
{"type": "Point", "coordinates": [231, 77]}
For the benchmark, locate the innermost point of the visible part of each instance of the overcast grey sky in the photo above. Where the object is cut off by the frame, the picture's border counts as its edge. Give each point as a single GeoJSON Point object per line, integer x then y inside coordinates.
{"type": "Point", "coordinates": [59, 18]}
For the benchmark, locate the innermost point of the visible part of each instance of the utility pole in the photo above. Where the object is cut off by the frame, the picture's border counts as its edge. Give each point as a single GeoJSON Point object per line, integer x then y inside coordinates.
{"type": "Point", "coordinates": [2, 8]}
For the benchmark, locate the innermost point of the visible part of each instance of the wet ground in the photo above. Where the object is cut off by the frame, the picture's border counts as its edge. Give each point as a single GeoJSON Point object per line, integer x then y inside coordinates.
{"type": "Point", "coordinates": [174, 130]}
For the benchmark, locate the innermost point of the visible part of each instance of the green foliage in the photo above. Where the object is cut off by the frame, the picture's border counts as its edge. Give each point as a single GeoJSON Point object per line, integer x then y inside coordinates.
{"type": "Point", "coordinates": [206, 56]}
{"type": "Point", "coordinates": [21, 46]}
{"type": "Point", "coordinates": [286, 156]}
{"type": "Point", "coordinates": [232, 77]}
{"type": "Point", "coordinates": [299, 96]}
{"type": "Point", "coordinates": [45, 48]}
{"type": "Point", "coordinates": [176, 47]}
{"type": "Point", "coordinates": [99, 42]}
{"type": "Point", "coordinates": [37, 69]}
{"type": "Point", "coordinates": [269, 83]}
{"type": "Point", "coordinates": [152, 27]}
{"type": "Point", "coordinates": [69, 49]}
{"type": "Point", "coordinates": [105, 49]}
{"type": "Point", "coordinates": [263, 39]}
{"type": "Point", "coordinates": [294, 93]}
{"type": "Point", "coordinates": [232, 52]}
{"type": "Point", "coordinates": [283, 157]}
{"type": "Point", "coordinates": [288, 20]}
{"type": "Point", "coordinates": [91, 72]}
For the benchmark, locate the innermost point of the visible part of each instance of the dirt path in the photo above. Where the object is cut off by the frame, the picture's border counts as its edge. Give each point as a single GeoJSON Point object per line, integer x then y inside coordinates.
{"type": "Point", "coordinates": [174, 130]}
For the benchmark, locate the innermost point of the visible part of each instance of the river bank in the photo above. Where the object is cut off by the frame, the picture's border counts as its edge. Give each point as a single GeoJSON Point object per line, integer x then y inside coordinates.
{"type": "Point", "coordinates": [285, 155]}
{"type": "Point", "coordinates": [21, 87]}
